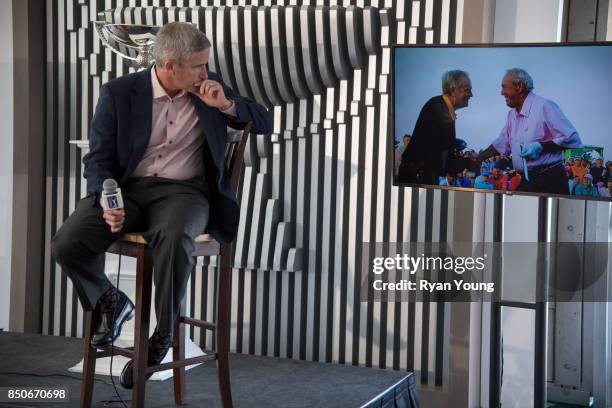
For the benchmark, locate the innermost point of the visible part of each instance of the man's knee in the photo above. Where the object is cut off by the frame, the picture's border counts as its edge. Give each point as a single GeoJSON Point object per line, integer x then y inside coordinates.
{"type": "Point", "coordinates": [174, 239]}
{"type": "Point", "coordinates": [61, 246]}
{"type": "Point", "coordinates": [178, 237]}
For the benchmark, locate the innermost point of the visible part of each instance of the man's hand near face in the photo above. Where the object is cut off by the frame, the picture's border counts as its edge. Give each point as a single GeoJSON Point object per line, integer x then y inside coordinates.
{"type": "Point", "coordinates": [212, 94]}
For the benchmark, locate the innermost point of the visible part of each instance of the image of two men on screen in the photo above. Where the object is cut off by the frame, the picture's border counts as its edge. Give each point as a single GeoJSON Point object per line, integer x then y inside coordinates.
{"type": "Point", "coordinates": [522, 141]}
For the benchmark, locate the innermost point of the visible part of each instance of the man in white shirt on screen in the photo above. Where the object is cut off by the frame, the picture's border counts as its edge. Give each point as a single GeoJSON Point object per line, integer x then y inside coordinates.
{"type": "Point", "coordinates": [535, 134]}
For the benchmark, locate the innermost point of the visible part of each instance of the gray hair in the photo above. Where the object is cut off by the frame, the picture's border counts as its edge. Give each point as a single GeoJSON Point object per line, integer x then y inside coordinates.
{"type": "Point", "coordinates": [178, 41]}
{"type": "Point", "coordinates": [519, 75]}
{"type": "Point", "coordinates": [452, 80]}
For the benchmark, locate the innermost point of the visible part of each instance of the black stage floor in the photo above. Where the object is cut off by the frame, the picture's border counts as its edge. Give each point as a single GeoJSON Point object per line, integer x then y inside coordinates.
{"type": "Point", "coordinates": [256, 381]}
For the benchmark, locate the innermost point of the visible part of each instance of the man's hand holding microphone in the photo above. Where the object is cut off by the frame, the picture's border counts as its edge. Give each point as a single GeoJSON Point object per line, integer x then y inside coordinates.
{"type": "Point", "coordinates": [112, 204]}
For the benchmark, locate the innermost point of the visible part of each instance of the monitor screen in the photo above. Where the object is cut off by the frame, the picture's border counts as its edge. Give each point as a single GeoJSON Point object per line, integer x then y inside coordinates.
{"type": "Point", "coordinates": [515, 119]}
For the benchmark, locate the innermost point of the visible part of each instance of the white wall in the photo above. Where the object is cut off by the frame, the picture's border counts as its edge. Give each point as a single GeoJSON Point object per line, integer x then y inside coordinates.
{"type": "Point", "coordinates": [521, 21]}
{"type": "Point", "coordinates": [6, 156]}
{"type": "Point", "coordinates": [609, 35]}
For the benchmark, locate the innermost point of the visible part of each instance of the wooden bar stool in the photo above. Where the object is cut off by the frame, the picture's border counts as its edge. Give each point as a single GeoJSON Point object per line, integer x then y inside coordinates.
{"type": "Point", "coordinates": [205, 245]}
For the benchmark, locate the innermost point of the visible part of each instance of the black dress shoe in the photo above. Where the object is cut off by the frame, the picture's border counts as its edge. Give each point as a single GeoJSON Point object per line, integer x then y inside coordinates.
{"type": "Point", "coordinates": [158, 348]}
{"type": "Point", "coordinates": [114, 309]}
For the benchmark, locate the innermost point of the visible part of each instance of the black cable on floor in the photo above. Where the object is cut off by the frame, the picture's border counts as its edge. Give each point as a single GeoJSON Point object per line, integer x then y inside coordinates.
{"type": "Point", "coordinates": [114, 401]}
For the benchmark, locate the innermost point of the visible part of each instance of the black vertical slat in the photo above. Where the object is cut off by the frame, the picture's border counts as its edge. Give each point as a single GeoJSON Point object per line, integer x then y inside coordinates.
{"type": "Point", "coordinates": [439, 352]}
{"type": "Point", "coordinates": [240, 306]}
{"type": "Point", "coordinates": [437, 21]}
{"type": "Point", "coordinates": [372, 239]}
{"type": "Point", "coordinates": [204, 293]}
{"type": "Point", "coordinates": [65, 136]}
{"type": "Point", "coordinates": [382, 319]}
{"type": "Point", "coordinates": [265, 311]}
{"type": "Point", "coordinates": [277, 313]}
{"type": "Point", "coordinates": [541, 324]}
{"type": "Point", "coordinates": [421, 31]}
{"type": "Point", "coordinates": [253, 308]}
{"type": "Point", "coordinates": [143, 14]}
{"type": "Point", "coordinates": [78, 10]}
{"type": "Point", "coordinates": [290, 313]}
{"type": "Point", "coordinates": [215, 272]}
{"type": "Point", "coordinates": [52, 152]}
{"type": "Point", "coordinates": [414, 227]}
{"type": "Point", "coordinates": [79, 103]}
{"type": "Point", "coordinates": [429, 202]}
{"type": "Point", "coordinates": [318, 259]}
{"type": "Point", "coordinates": [495, 347]}
{"type": "Point", "coordinates": [369, 320]}
{"type": "Point", "coordinates": [397, 332]}
{"type": "Point", "coordinates": [399, 237]}
{"type": "Point", "coordinates": [192, 296]}
{"type": "Point", "coordinates": [377, 200]}
{"type": "Point", "coordinates": [284, 217]}
{"type": "Point", "coordinates": [75, 308]}
{"type": "Point", "coordinates": [359, 247]}
{"type": "Point", "coordinates": [452, 21]}
{"type": "Point", "coordinates": [329, 313]}
{"type": "Point", "coordinates": [345, 238]}
{"type": "Point", "coordinates": [389, 150]}
{"type": "Point", "coordinates": [306, 239]}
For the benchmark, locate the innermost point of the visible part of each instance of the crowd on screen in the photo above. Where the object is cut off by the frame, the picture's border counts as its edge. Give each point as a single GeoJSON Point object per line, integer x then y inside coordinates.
{"type": "Point", "coordinates": [587, 175]}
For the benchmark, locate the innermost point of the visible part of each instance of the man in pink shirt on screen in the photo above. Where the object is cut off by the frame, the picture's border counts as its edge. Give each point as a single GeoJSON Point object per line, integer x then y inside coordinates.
{"type": "Point", "coordinates": [535, 134]}
{"type": "Point", "coordinates": [161, 134]}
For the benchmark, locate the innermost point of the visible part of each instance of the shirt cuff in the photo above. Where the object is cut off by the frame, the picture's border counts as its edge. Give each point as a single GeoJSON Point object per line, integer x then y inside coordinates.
{"type": "Point", "coordinates": [231, 110]}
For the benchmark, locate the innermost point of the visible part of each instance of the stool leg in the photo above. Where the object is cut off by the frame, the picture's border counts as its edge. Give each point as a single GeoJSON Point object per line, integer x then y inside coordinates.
{"type": "Point", "coordinates": [178, 354]}
{"type": "Point", "coordinates": [89, 362]}
{"type": "Point", "coordinates": [222, 331]}
{"type": "Point", "coordinates": [144, 276]}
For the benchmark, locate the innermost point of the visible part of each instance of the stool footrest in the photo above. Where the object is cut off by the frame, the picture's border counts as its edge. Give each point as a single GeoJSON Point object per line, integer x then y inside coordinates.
{"type": "Point", "coordinates": [182, 363]}
{"type": "Point", "coordinates": [200, 323]}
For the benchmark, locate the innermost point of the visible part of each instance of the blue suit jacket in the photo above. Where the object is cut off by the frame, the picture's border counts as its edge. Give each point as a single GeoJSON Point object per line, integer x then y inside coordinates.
{"type": "Point", "coordinates": [121, 129]}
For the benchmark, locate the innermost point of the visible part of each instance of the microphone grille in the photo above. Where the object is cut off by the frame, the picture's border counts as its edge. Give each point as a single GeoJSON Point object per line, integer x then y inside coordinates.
{"type": "Point", "coordinates": [109, 186]}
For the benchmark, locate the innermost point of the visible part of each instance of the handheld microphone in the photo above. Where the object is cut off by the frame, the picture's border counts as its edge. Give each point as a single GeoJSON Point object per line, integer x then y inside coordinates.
{"type": "Point", "coordinates": [111, 196]}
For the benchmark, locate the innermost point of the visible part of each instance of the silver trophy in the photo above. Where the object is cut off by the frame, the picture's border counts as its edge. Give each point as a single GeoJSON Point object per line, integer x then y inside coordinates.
{"type": "Point", "coordinates": [132, 42]}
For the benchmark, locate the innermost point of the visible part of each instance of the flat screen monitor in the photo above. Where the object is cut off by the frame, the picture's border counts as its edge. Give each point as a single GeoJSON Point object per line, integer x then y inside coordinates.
{"type": "Point", "coordinates": [532, 119]}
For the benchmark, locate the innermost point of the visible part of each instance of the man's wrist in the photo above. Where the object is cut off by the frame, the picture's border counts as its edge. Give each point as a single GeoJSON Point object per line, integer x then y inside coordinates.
{"type": "Point", "coordinates": [229, 105]}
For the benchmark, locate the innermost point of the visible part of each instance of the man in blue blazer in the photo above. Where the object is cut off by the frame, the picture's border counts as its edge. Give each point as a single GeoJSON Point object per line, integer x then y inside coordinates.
{"type": "Point", "coordinates": [161, 134]}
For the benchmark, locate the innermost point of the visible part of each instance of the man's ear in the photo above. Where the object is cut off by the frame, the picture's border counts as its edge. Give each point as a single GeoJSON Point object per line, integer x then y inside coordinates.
{"type": "Point", "coordinates": [169, 65]}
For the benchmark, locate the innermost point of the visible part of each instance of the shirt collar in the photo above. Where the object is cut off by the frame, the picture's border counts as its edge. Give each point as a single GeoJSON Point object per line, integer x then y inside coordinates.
{"type": "Point", "coordinates": [526, 108]}
{"type": "Point", "coordinates": [449, 105]}
{"type": "Point", "coordinates": [158, 90]}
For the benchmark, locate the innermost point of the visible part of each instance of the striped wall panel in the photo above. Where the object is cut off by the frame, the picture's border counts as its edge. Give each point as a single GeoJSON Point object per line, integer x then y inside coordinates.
{"type": "Point", "coordinates": [312, 192]}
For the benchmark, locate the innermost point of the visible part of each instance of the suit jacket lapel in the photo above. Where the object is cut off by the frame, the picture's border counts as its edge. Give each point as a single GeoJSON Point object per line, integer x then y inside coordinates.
{"type": "Point", "coordinates": [142, 111]}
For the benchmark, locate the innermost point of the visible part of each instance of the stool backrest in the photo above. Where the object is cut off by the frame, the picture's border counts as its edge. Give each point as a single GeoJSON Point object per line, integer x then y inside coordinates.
{"type": "Point", "coordinates": [234, 151]}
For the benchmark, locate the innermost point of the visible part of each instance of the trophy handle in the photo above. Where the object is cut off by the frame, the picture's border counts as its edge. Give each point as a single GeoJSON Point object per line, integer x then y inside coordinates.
{"type": "Point", "coordinates": [100, 29]}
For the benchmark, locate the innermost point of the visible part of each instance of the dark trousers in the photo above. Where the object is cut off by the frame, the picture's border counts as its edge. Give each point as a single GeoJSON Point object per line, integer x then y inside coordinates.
{"type": "Point", "coordinates": [170, 214]}
{"type": "Point", "coordinates": [548, 180]}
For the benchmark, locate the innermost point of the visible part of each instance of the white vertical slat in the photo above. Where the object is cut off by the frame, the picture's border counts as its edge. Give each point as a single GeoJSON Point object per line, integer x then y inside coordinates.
{"type": "Point", "coordinates": [353, 218]}
{"type": "Point", "coordinates": [339, 242]}
{"type": "Point", "coordinates": [326, 265]}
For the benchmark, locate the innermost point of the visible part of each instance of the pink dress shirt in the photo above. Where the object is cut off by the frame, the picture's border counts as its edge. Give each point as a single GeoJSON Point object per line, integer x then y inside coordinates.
{"type": "Point", "coordinates": [175, 147]}
{"type": "Point", "coordinates": [540, 120]}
